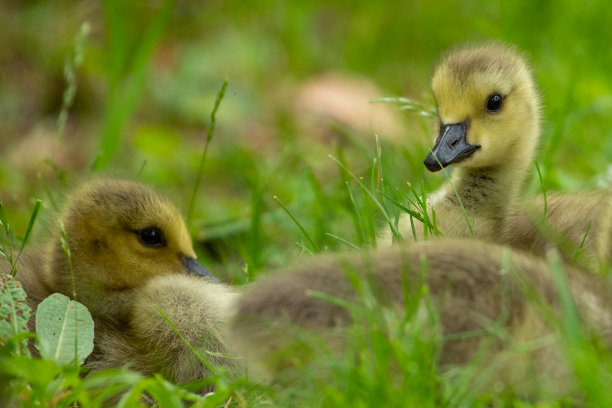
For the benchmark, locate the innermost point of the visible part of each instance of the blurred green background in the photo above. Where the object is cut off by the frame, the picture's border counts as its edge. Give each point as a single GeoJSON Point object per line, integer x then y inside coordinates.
{"type": "Point", "coordinates": [127, 87]}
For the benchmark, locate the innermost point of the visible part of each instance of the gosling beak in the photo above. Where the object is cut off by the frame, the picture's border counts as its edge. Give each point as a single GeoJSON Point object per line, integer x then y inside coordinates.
{"type": "Point", "coordinates": [451, 147]}
{"type": "Point", "coordinates": [194, 268]}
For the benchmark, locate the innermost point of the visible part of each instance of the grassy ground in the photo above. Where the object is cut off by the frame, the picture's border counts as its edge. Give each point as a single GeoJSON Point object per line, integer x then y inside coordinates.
{"type": "Point", "coordinates": [127, 88]}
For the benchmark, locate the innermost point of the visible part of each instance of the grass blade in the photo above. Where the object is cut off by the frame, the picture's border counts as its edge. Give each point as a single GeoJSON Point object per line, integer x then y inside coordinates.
{"type": "Point", "coordinates": [357, 220]}
{"type": "Point", "coordinates": [209, 135]}
{"type": "Point", "coordinates": [581, 247]}
{"type": "Point", "coordinates": [314, 245]}
{"type": "Point", "coordinates": [125, 87]}
{"type": "Point", "coordinates": [184, 340]}
{"type": "Point", "coordinates": [409, 105]}
{"type": "Point", "coordinates": [344, 241]}
{"type": "Point", "coordinates": [539, 234]}
{"type": "Point", "coordinates": [8, 251]}
{"type": "Point", "coordinates": [402, 207]}
{"type": "Point", "coordinates": [394, 229]}
{"type": "Point", "coordinates": [450, 182]}
{"type": "Point", "coordinates": [70, 77]}
{"type": "Point", "coordinates": [27, 235]}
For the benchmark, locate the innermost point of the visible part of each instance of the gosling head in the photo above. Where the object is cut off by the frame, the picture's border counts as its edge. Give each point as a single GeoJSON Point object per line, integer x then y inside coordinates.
{"type": "Point", "coordinates": [120, 234]}
{"type": "Point", "coordinates": [487, 108]}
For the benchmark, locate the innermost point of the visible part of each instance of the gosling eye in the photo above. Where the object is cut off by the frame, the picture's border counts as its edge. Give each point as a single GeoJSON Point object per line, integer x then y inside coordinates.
{"type": "Point", "coordinates": [152, 237]}
{"type": "Point", "coordinates": [494, 103]}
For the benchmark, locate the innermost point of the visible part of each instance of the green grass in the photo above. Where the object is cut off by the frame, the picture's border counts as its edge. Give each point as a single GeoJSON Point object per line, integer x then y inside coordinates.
{"type": "Point", "coordinates": [146, 77]}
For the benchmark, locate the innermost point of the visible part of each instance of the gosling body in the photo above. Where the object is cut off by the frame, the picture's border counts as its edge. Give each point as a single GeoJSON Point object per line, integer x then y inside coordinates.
{"type": "Point", "coordinates": [465, 279]}
{"type": "Point", "coordinates": [578, 225]}
{"type": "Point", "coordinates": [197, 308]}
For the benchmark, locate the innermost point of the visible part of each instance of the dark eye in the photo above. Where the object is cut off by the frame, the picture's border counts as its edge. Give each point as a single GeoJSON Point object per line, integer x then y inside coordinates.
{"type": "Point", "coordinates": [152, 237]}
{"type": "Point", "coordinates": [494, 103]}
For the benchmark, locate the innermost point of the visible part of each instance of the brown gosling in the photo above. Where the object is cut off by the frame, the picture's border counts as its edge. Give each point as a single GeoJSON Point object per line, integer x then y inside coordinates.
{"type": "Point", "coordinates": [130, 255]}
{"type": "Point", "coordinates": [465, 280]}
{"type": "Point", "coordinates": [488, 125]}
{"type": "Point", "coordinates": [578, 224]}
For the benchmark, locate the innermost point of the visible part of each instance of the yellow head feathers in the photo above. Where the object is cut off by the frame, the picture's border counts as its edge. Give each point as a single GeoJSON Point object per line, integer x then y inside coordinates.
{"type": "Point", "coordinates": [488, 108]}
{"type": "Point", "coordinates": [120, 234]}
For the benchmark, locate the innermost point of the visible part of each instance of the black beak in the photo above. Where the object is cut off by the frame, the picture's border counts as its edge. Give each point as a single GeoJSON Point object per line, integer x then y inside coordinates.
{"type": "Point", "coordinates": [451, 147]}
{"type": "Point", "coordinates": [194, 268]}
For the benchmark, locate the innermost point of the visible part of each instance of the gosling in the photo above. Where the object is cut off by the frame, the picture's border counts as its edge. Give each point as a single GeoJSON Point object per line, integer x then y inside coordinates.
{"type": "Point", "coordinates": [488, 125]}
{"type": "Point", "coordinates": [466, 280]}
{"type": "Point", "coordinates": [130, 255]}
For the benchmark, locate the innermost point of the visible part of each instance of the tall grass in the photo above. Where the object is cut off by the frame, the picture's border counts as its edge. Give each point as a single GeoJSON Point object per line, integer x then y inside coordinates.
{"type": "Point", "coordinates": [127, 73]}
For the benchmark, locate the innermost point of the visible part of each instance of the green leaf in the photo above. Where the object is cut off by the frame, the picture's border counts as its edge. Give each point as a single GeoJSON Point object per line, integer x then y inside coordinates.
{"type": "Point", "coordinates": [65, 330]}
{"type": "Point", "coordinates": [16, 345]}
{"type": "Point", "coordinates": [111, 383]}
{"type": "Point", "coordinates": [35, 371]}
{"type": "Point", "coordinates": [14, 311]}
{"type": "Point", "coordinates": [166, 394]}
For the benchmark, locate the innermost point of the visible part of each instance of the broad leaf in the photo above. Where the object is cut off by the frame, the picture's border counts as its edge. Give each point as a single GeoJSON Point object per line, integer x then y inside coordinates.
{"type": "Point", "coordinates": [65, 330]}
{"type": "Point", "coordinates": [14, 311]}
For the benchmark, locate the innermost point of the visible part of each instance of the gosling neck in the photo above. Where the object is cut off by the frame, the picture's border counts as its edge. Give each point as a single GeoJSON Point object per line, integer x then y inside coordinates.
{"type": "Point", "coordinates": [490, 191]}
